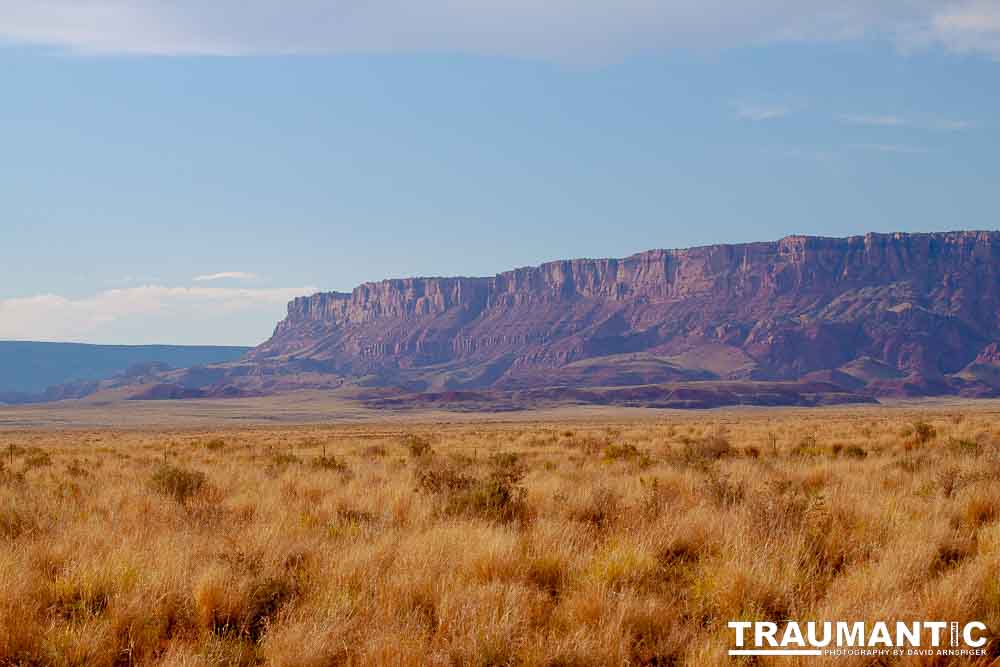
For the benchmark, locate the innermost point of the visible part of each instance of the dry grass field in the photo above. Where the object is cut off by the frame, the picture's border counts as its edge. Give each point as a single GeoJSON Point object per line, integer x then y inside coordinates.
{"type": "Point", "coordinates": [549, 543]}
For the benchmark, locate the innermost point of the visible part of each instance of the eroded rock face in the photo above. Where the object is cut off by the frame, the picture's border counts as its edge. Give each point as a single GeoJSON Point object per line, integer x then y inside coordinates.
{"type": "Point", "coordinates": [923, 305]}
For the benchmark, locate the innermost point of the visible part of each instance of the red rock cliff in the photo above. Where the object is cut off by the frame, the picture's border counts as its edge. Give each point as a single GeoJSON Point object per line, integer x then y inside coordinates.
{"type": "Point", "coordinates": [920, 304]}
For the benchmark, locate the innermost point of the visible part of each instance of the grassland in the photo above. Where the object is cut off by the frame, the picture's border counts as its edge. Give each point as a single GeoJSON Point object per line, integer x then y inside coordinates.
{"type": "Point", "coordinates": [596, 541]}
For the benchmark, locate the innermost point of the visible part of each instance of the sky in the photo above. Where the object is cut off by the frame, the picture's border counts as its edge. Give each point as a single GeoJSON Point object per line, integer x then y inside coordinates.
{"type": "Point", "coordinates": [176, 172]}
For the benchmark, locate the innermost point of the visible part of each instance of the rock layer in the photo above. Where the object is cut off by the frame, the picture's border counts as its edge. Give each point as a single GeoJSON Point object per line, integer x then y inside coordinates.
{"type": "Point", "coordinates": [899, 313]}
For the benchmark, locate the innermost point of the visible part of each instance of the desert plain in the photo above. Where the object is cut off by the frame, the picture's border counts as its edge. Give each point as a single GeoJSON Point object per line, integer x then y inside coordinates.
{"type": "Point", "coordinates": [295, 531]}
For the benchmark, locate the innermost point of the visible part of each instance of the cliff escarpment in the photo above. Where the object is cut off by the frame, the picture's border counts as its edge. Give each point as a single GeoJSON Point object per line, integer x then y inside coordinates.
{"type": "Point", "coordinates": [888, 313]}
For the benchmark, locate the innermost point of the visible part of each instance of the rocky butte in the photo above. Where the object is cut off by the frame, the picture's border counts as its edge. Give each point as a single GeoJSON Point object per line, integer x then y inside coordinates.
{"type": "Point", "coordinates": [802, 320]}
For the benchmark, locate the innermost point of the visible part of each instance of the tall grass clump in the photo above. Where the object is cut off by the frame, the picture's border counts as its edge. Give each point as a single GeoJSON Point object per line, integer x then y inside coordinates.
{"type": "Point", "coordinates": [176, 482]}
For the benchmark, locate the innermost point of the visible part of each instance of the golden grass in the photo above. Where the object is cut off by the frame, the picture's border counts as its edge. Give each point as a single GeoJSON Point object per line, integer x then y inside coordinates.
{"type": "Point", "coordinates": [548, 543]}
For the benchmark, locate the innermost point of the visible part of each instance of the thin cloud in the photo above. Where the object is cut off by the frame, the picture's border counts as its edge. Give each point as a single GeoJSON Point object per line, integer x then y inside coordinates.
{"type": "Point", "coordinates": [893, 148]}
{"type": "Point", "coordinates": [805, 153]}
{"type": "Point", "coordinates": [967, 27]}
{"type": "Point", "coordinates": [574, 29]}
{"type": "Point", "coordinates": [947, 124]}
{"type": "Point", "coordinates": [149, 314]}
{"type": "Point", "coordinates": [226, 275]}
{"type": "Point", "coordinates": [132, 280]}
{"type": "Point", "coordinates": [925, 122]}
{"type": "Point", "coordinates": [762, 113]}
{"type": "Point", "coordinates": [878, 121]}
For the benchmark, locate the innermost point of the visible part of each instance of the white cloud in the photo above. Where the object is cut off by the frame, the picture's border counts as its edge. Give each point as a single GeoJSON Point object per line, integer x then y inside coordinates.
{"type": "Point", "coordinates": [226, 275]}
{"type": "Point", "coordinates": [805, 153]}
{"type": "Point", "coordinates": [969, 27]}
{"type": "Point", "coordinates": [892, 148]}
{"type": "Point", "coordinates": [947, 124]}
{"type": "Point", "coordinates": [588, 29]}
{"type": "Point", "coordinates": [761, 112]}
{"type": "Point", "coordinates": [923, 123]}
{"type": "Point", "coordinates": [150, 314]}
{"type": "Point", "coordinates": [880, 121]}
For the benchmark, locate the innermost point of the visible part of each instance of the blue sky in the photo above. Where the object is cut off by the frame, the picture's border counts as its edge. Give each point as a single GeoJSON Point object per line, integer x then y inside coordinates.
{"type": "Point", "coordinates": [175, 176]}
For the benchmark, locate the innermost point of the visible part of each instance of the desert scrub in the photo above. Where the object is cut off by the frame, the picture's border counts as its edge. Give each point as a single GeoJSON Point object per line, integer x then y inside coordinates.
{"type": "Point", "coordinates": [177, 483]}
{"type": "Point", "coordinates": [722, 489]}
{"type": "Point", "coordinates": [374, 452]}
{"type": "Point", "coordinates": [923, 432]}
{"type": "Point", "coordinates": [628, 453]}
{"type": "Point", "coordinates": [37, 460]}
{"type": "Point", "coordinates": [963, 446]}
{"type": "Point", "coordinates": [215, 444]}
{"type": "Point", "coordinates": [949, 480]}
{"type": "Point", "coordinates": [496, 496]}
{"type": "Point", "coordinates": [279, 462]}
{"type": "Point", "coordinates": [624, 563]}
{"type": "Point", "coordinates": [807, 446]}
{"type": "Point", "coordinates": [10, 477]}
{"type": "Point", "coordinates": [599, 508]}
{"type": "Point", "coordinates": [331, 463]}
{"type": "Point", "coordinates": [76, 469]}
{"type": "Point", "coordinates": [855, 452]}
{"type": "Point", "coordinates": [417, 446]}
{"type": "Point", "coordinates": [656, 497]}
{"type": "Point", "coordinates": [436, 477]}
{"type": "Point", "coordinates": [511, 542]}
{"type": "Point", "coordinates": [699, 451]}
{"type": "Point", "coordinates": [16, 520]}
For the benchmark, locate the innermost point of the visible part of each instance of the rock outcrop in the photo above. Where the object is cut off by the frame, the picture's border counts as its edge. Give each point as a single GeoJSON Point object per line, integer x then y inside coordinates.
{"type": "Point", "coordinates": [892, 314]}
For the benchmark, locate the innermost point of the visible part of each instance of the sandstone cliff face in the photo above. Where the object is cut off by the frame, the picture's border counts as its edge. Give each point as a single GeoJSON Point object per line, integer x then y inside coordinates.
{"type": "Point", "coordinates": [923, 305]}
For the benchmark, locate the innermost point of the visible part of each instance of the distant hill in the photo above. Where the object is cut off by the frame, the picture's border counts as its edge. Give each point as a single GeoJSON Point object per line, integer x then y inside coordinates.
{"type": "Point", "coordinates": [29, 367]}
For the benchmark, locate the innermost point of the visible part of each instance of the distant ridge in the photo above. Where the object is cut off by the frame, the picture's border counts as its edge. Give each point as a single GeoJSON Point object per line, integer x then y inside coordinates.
{"type": "Point", "coordinates": [31, 367]}
{"type": "Point", "coordinates": [880, 314]}
{"type": "Point", "coordinates": [799, 321]}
